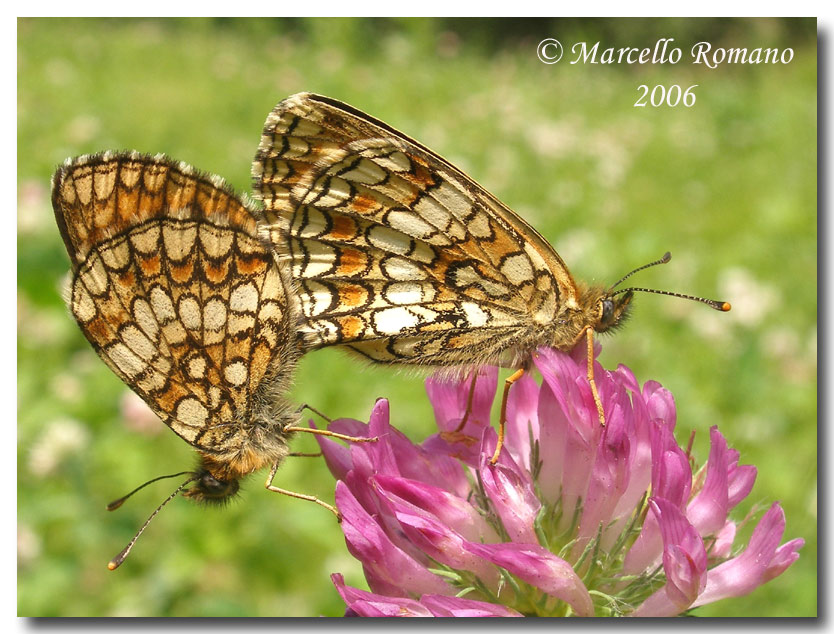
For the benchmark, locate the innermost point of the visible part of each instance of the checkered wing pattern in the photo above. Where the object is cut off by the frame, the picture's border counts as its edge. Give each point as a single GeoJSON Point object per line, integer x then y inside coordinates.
{"type": "Point", "coordinates": [178, 295]}
{"type": "Point", "coordinates": [396, 252]}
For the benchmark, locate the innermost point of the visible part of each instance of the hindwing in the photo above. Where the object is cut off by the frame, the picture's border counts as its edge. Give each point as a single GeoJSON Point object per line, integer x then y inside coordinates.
{"type": "Point", "coordinates": [178, 295]}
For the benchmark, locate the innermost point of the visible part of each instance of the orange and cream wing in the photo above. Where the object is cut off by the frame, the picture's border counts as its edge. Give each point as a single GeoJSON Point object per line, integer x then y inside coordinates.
{"type": "Point", "coordinates": [397, 253]}
{"type": "Point", "coordinates": [175, 291]}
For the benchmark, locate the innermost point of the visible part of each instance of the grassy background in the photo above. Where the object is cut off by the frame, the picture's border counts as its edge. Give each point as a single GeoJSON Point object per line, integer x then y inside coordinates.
{"type": "Point", "coordinates": [728, 186]}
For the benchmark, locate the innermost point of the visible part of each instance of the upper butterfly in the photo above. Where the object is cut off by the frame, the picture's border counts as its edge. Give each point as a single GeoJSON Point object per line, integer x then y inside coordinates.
{"type": "Point", "coordinates": [404, 258]}
{"type": "Point", "coordinates": [178, 295]}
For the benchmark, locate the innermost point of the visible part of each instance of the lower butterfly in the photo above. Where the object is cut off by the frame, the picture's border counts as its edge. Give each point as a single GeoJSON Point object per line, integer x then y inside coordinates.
{"type": "Point", "coordinates": [403, 258]}
{"type": "Point", "coordinates": [179, 296]}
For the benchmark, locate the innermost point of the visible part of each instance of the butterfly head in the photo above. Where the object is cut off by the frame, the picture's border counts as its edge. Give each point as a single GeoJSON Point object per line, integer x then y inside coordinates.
{"type": "Point", "coordinates": [212, 489]}
{"type": "Point", "coordinates": [612, 310]}
{"type": "Point", "coordinates": [217, 480]}
{"type": "Point", "coordinates": [612, 305]}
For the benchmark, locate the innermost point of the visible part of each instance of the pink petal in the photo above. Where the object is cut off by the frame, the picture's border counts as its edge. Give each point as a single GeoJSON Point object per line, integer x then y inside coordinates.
{"type": "Point", "coordinates": [609, 477]}
{"type": "Point", "coordinates": [723, 544]}
{"type": "Point", "coordinates": [671, 473]}
{"type": "Point", "coordinates": [442, 544]}
{"type": "Point", "coordinates": [455, 606]}
{"type": "Point", "coordinates": [684, 556]}
{"type": "Point", "coordinates": [381, 453]}
{"type": "Point", "coordinates": [680, 567]}
{"type": "Point", "coordinates": [684, 562]}
{"type": "Point", "coordinates": [646, 549]}
{"type": "Point", "coordinates": [349, 427]}
{"type": "Point", "coordinates": [708, 509]}
{"type": "Point", "coordinates": [336, 456]}
{"type": "Point", "coordinates": [449, 397]}
{"type": "Point", "coordinates": [569, 383]}
{"type": "Point", "coordinates": [580, 452]}
{"type": "Point", "coordinates": [522, 419]}
{"type": "Point", "coordinates": [553, 425]}
{"type": "Point", "coordinates": [671, 480]}
{"type": "Point", "coordinates": [640, 455]}
{"type": "Point", "coordinates": [785, 555]}
{"type": "Point", "coordinates": [369, 459]}
{"type": "Point", "coordinates": [626, 378]}
{"type": "Point", "coordinates": [368, 604]}
{"type": "Point", "coordinates": [510, 492]}
{"type": "Point", "coordinates": [660, 403]}
{"type": "Point", "coordinates": [572, 428]}
{"type": "Point", "coordinates": [541, 568]}
{"type": "Point", "coordinates": [741, 481]}
{"type": "Point", "coordinates": [455, 445]}
{"type": "Point", "coordinates": [744, 573]}
{"type": "Point", "coordinates": [420, 529]}
{"type": "Point", "coordinates": [454, 511]}
{"type": "Point", "coordinates": [658, 604]}
{"type": "Point", "coordinates": [432, 467]}
{"type": "Point", "coordinates": [391, 567]}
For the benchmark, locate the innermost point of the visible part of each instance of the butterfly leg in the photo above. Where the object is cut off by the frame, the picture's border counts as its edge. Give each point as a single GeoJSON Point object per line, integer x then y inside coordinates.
{"type": "Point", "coordinates": [314, 410]}
{"type": "Point", "coordinates": [323, 432]}
{"type": "Point", "coordinates": [590, 338]}
{"type": "Point", "coordinates": [329, 434]}
{"type": "Point", "coordinates": [468, 402]}
{"type": "Point", "coordinates": [503, 420]}
{"type": "Point", "coordinates": [300, 496]}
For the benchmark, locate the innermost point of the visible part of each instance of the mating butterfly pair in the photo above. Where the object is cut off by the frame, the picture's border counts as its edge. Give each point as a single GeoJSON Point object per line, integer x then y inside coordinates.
{"type": "Point", "coordinates": [202, 303]}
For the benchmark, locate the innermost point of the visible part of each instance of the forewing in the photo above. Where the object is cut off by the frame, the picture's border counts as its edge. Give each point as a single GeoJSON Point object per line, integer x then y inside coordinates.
{"type": "Point", "coordinates": [396, 252]}
{"type": "Point", "coordinates": [175, 292]}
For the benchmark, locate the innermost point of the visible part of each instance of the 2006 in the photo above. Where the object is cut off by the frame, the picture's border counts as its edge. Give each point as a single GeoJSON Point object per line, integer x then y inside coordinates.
{"type": "Point", "coordinates": [660, 96]}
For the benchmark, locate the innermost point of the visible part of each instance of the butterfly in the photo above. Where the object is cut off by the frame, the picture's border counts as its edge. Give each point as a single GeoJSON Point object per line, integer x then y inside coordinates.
{"type": "Point", "coordinates": [181, 298]}
{"type": "Point", "coordinates": [401, 257]}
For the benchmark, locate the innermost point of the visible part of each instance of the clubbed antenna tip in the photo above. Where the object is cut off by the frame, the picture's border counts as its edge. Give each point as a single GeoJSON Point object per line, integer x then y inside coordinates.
{"type": "Point", "coordinates": [119, 559]}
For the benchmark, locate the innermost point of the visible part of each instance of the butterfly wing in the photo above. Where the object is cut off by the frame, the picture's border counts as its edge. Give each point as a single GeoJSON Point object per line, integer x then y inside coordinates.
{"type": "Point", "coordinates": [395, 251]}
{"type": "Point", "coordinates": [175, 292]}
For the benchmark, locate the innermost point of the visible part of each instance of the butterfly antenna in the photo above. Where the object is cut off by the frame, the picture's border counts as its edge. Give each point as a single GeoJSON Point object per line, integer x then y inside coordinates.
{"type": "Point", "coordinates": [119, 559]}
{"type": "Point", "coordinates": [117, 503]}
{"type": "Point", "coordinates": [712, 303]}
{"type": "Point", "coordinates": [666, 257]}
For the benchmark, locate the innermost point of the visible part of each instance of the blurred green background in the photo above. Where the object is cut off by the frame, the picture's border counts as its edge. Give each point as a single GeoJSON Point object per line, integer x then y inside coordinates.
{"type": "Point", "coordinates": [728, 186]}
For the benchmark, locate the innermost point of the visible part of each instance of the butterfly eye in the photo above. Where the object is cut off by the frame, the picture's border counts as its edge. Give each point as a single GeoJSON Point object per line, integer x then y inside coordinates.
{"type": "Point", "coordinates": [607, 313]}
{"type": "Point", "coordinates": [613, 311]}
{"type": "Point", "coordinates": [210, 489]}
